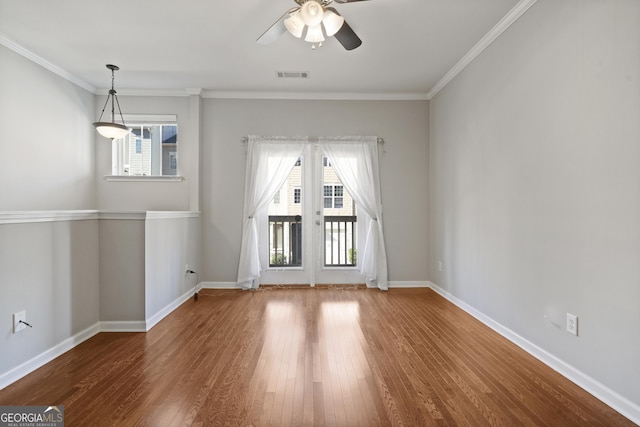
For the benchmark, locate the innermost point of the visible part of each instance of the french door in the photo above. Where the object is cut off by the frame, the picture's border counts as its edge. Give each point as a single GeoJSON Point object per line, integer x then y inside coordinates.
{"type": "Point", "coordinates": [310, 233]}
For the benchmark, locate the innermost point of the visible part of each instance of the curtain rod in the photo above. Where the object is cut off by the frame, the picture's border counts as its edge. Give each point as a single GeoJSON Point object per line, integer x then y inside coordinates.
{"type": "Point", "coordinates": [245, 139]}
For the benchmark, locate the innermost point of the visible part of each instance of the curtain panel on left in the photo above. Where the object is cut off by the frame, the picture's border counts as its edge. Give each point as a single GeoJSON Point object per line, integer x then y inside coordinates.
{"type": "Point", "coordinates": [269, 162]}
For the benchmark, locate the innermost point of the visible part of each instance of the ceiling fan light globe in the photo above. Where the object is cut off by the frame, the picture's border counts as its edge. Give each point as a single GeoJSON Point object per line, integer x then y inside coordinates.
{"type": "Point", "coordinates": [111, 130]}
{"type": "Point", "coordinates": [311, 13]}
{"type": "Point", "coordinates": [332, 22]}
{"type": "Point", "coordinates": [294, 24]}
{"type": "Point", "coordinates": [314, 34]}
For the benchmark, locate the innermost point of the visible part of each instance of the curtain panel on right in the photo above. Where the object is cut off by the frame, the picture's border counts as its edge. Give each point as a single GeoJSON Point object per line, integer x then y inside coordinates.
{"type": "Point", "coordinates": [355, 160]}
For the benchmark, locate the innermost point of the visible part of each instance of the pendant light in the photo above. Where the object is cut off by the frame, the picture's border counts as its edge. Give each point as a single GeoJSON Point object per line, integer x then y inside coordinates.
{"type": "Point", "coordinates": [112, 130]}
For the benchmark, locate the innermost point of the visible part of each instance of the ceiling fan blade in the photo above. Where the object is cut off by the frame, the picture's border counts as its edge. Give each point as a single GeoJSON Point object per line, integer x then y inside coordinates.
{"type": "Point", "coordinates": [347, 1]}
{"type": "Point", "coordinates": [346, 36]}
{"type": "Point", "coordinates": [276, 30]}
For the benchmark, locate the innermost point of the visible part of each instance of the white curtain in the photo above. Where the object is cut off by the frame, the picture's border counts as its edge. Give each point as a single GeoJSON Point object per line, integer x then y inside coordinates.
{"type": "Point", "coordinates": [355, 160]}
{"type": "Point", "coordinates": [269, 162]}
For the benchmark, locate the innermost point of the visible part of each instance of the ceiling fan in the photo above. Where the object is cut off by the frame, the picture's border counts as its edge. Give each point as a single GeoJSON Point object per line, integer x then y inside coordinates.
{"type": "Point", "coordinates": [313, 15]}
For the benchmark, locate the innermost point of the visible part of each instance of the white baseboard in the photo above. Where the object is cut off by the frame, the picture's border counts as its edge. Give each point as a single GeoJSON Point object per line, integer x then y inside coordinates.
{"type": "Point", "coordinates": [164, 312]}
{"type": "Point", "coordinates": [107, 326]}
{"type": "Point", "coordinates": [123, 326]}
{"type": "Point", "coordinates": [620, 403]}
{"type": "Point", "coordinates": [47, 356]}
{"type": "Point", "coordinates": [396, 284]}
{"type": "Point", "coordinates": [219, 285]}
{"type": "Point", "coordinates": [409, 284]}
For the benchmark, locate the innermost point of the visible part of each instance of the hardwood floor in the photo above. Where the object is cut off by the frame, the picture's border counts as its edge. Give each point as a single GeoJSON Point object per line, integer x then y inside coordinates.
{"type": "Point", "coordinates": [303, 357]}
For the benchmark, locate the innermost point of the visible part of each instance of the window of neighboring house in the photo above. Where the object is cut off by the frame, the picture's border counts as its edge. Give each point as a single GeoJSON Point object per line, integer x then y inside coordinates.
{"type": "Point", "coordinates": [298, 162]}
{"type": "Point", "coordinates": [338, 197]}
{"type": "Point", "coordinates": [333, 196]}
{"type": "Point", "coordinates": [150, 149]}
{"type": "Point", "coordinates": [328, 196]}
{"type": "Point", "coordinates": [297, 195]}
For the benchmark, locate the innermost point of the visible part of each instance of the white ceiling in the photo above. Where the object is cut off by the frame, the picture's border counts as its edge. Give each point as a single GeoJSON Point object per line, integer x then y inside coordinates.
{"type": "Point", "coordinates": [164, 45]}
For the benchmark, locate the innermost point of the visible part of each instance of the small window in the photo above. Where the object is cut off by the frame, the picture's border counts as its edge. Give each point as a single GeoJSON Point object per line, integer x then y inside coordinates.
{"type": "Point", "coordinates": [150, 149]}
{"type": "Point", "coordinates": [298, 162]}
{"type": "Point", "coordinates": [333, 196]}
{"type": "Point", "coordinates": [297, 195]}
{"type": "Point", "coordinates": [328, 196]}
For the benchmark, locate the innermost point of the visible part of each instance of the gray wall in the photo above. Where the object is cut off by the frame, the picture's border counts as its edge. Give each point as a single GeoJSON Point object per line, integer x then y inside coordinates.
{"type": "Point", "coordinates": [153, 196]}
{"type": "Point", "coordinates": [122, 269]}
{"type": "Point", "coordinates": [170, 245]}
{"type": "Point", "coordinates": [48, 159]}
{"type": "Point", "coordinates": [402, 124]}
{"type": "Point", "coordinates": [142, 263]}
{"type": "Point", "coordinates": [535, 184]}
{"type": "Point", "coordinates": [50, 270]}
{"type": "Point", "coordinates": [70, 274]}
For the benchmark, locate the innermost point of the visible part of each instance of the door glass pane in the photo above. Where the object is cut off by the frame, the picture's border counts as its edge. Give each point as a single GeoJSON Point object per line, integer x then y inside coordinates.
{"type": "Point", "coordinates": [340, 220]}
{"type": "Point", "coordinates": [285, 222]}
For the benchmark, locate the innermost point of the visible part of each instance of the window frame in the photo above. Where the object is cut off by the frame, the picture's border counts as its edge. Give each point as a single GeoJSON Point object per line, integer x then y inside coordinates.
{"type": "Point", "coordinates": [331, 196]}
{"type": "Point", "coordinates": [117, 152]}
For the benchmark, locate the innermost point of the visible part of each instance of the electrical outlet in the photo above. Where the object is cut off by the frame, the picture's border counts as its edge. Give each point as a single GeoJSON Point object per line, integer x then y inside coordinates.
{"type": "Point", "coordinates": [17, 317]}
{"type": "Point", "coordinates": [572, 324]}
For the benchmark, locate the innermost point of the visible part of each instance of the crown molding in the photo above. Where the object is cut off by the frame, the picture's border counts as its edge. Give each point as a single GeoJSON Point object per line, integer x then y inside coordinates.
{"type": "Point", "coordinates": [212, 94]}
{"type": "Point", "coordinates": [511, 17]}
{"type": "Point", "coordinates": [146, 92]}
{"type": "Point", "coordinates": [10, 44]}
{"type": "Point", "coordinates": [333, 96]}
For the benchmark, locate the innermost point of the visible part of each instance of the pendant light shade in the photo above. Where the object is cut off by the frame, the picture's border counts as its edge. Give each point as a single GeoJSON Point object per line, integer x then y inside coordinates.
{"type": "Point", "coordinates": [294, 24]}
{"type": "Point", "coordinates": [332, 22]}
{"type": "Point", "coordinates": [311, 13]}
{"type": "Point", "coordinates": [314, 34]}
{"type": "Point", "coordinates": [112, 130]}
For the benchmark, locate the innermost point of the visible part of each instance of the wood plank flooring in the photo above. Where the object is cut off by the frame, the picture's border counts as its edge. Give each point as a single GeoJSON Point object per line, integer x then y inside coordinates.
{"type": "Point", "coordinates": [302, 357]}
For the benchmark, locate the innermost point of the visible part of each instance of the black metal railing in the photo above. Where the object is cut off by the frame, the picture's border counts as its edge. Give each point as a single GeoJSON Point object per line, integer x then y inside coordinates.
{"type": "Point", "coordinates": [285, 241]}
{"type": "Point", "coordinates": [340, 241]}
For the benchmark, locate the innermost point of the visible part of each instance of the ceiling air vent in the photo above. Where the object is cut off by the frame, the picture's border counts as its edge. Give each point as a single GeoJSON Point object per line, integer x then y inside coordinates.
{"type": "Point", "coordinates": [292, 74]}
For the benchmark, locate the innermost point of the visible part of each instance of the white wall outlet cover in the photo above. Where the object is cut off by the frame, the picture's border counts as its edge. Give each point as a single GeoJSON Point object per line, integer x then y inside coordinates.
{"type": "Point", "coordinates": [17, 317]}
{"type": "Point", "coordinates": [572, 324]}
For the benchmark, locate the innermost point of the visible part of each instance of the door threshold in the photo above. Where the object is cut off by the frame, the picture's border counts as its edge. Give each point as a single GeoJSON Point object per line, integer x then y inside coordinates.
{"type": "Point", "coordinates": [338, 286]}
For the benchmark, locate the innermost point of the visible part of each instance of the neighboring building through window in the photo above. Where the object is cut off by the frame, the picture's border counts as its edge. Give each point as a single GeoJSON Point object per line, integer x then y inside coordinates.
{"type": "Point", "coordinates": [297, 195]}
{"type": "Point", "coordinates": [333, 196]}
{"type": "Point", "coordinates": [150, 149]}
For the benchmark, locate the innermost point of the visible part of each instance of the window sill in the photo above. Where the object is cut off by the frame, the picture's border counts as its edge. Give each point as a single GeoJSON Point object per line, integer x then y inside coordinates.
{"type": "Point", "coordinates": [122, 178]}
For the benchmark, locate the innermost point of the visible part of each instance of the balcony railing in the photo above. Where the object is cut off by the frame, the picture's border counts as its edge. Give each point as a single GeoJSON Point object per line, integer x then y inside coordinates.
{"type": "Point", "coordinates": [285, 241]}
{"type": "Point", "coordinates": [340, 241]}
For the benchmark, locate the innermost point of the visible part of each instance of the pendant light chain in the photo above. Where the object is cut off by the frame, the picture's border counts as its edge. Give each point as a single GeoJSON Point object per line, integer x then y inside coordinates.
{"type": "Point", "coordinates": [112, 130]}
